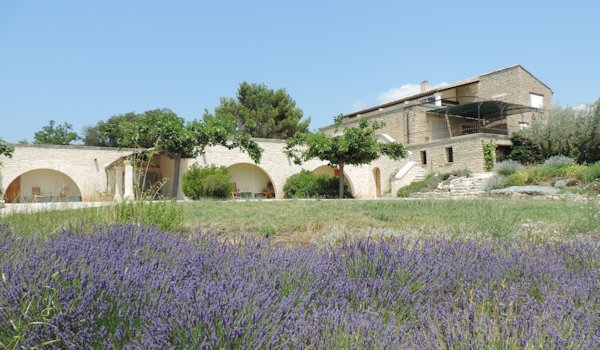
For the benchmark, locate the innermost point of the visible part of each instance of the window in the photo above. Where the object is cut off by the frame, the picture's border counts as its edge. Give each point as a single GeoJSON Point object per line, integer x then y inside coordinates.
{"type": "Point", "coordinates": [423, 157]}
{"type": "Point", "coordinates": [449, 155]}
{"type": "Point", "coordinates": [537, 101]}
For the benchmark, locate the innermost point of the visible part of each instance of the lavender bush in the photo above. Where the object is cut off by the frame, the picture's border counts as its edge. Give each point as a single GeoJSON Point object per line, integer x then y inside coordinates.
{"type": "Point", "coordinates": [137, 287]}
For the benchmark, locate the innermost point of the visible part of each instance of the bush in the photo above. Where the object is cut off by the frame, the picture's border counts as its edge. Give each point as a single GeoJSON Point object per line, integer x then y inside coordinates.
{"type": "Point", "coordinates": [207, 182]}
{"type": "Point", "coordinates": [545, 173]}
{"type": "Point", "coordinates": [519, 178]}
{"type": "Point", "coordinates": [494, 183]}
{"type": "Point", "coordinates": [524, 150]}
{"type": "Point", "coordinates": [429, 183]}
{"type": "Point", "coordinates": [307, 184]}
{"type": "Point", "coordinates": [568, 131]}
{"type": "Point", "coordinates": [456, 173]}
{"type": "Point", "coordinates": [560, 184]}
{"type": "Point", "coordinates": [558, 161]}
{"type": "Point", "coordinates": [507, 167]}
{"type": "Point", "coordinates": [590, 172]}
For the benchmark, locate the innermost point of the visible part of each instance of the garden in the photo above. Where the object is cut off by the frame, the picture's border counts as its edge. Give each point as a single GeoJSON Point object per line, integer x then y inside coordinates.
{"type": "Point", "coordinates": [301, 274]}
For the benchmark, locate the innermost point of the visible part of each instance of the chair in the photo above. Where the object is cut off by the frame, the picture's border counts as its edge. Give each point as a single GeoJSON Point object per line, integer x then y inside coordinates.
{"type": "Point", "coordinates": [268, 192]}
{"type": "Point", "coordinates": [236, 192]}
{"type": "Point", "coordinates": [64, 194]}
{"type": "Point", "coordinates": [36, 194]}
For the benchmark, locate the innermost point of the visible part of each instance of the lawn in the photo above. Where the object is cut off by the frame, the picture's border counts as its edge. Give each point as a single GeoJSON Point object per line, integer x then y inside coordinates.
{"type": "Point", "coordinates": [332, 274]}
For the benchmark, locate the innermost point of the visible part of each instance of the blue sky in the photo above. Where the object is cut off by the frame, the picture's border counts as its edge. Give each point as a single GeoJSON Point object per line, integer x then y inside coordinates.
{"type": "Point", "coordinates": [84, 61]}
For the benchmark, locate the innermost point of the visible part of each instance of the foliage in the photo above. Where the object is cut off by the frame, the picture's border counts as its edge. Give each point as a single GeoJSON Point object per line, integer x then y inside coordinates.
{"type": "Point", "coordinates": [207, 182]}
{"type": "Point", "coordinates": [267, 231]}
{"type": "Point", "coordinates": [109, 133]}
{"type": "Point", "coordinates": [489, 155]}
{"type": "Point", "coordinates": [494, 183]}
{"type": "Point", "coordinates": [261, 112]}
{"type": "Point", "coordinates": [50, 134]}
{"type": "Point", "coordinates": [590, 173]}
{"type": "Point", "coordinates": [558, 161]}
{"type": "Point", "coordinates": [524, 150]}
{"type": "Point", "coordinates": [560, 184]}
{"type": "Point", "coordinates": [507, 167]}
{"type": "Point", "coordinates": [519, 178]}
{"type": "Point", "coordinates": [456, 173]}
{"type": "Point", "coordinates": [429, 183]}
{"type": "Point", "coordinates": [6, 149]}
{"type": "Point", "coordinates": [164, 131]}
{"type": "Point", "coordinates": [139, 287]}
{"type": "Point", "coordinates": [356, 146]}
{"type": "Point", "coordinates": [307, 184]}
{"type": "Point", "coordinates": [571, 132]}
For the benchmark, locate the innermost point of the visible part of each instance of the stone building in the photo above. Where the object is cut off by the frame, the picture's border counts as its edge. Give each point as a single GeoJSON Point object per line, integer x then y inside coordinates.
{"type": "Point", "coordinates": [445, 128]}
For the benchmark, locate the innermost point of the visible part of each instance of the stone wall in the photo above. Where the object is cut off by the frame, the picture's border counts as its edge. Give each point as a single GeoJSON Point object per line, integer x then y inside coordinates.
{"type": "Point", "coordinates": [84, 165]}
{"type": "Point", "coordinates": [467, 152]}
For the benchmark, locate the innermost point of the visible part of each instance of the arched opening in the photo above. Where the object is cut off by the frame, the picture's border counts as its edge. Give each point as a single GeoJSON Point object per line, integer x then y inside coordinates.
{"type": "Point", "coordinates": [42, 185]}
{"type": "Point", "coordinates": [331, 171]}
{"type": "Point", "coordinates": [377, 176]}
{"type": "Point", "coordinates": [251, 181]}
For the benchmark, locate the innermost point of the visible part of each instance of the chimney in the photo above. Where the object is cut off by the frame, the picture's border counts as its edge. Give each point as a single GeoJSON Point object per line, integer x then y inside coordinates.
{"type": "Point", "coordinates": [424, 86]}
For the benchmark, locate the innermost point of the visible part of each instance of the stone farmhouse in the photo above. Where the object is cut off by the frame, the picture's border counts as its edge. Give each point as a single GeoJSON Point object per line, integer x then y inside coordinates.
{"type": "Point", "coordinates": [444, 129]}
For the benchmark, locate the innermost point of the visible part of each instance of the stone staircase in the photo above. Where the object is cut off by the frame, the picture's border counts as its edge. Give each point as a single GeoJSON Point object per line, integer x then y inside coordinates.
{"type": "Point", "coordinates": [460, 187]}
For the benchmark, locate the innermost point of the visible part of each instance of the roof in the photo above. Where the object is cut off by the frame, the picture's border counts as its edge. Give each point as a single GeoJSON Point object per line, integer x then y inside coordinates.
{"type": "Point", "coordinates": [484, 110]}
{"type": "Point", "coordinates": [441, 88]}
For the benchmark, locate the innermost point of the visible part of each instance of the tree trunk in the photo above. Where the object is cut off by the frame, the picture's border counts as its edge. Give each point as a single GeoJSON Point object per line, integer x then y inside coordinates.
{"type": "Point", "coordinates": [341, 186]}
{"type": "Point", "coordinates": [176, 166]}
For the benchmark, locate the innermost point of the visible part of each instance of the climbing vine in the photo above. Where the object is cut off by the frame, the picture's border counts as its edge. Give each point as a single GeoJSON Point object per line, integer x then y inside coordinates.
{"type": "Point", "coordinates": [488, 155]}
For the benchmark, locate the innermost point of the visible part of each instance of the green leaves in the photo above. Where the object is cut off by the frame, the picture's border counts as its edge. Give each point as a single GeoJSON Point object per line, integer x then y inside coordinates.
{"type": "Point", "coordinates": [261, 112]}
{"type": "Point", "coordinates": [55, 135]}
{"type": "Point", "coordinates": [356, 146]}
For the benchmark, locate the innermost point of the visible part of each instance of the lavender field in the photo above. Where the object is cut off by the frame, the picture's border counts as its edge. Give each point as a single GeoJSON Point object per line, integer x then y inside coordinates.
{"type": "Point", "coordinates": [129, 286]}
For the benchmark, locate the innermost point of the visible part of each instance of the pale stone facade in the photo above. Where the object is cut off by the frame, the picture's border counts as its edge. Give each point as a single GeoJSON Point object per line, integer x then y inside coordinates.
{"type": "Point", "coordinates": [432, 121]}
{"type": "Point", "coordinates": [440, 136]}
{"type": "Point", "coordinates": [92, 173]}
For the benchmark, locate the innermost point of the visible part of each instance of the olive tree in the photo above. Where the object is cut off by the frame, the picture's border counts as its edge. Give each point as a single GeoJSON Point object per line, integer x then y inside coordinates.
{"type": "Point", "coordinates": [355, 146]}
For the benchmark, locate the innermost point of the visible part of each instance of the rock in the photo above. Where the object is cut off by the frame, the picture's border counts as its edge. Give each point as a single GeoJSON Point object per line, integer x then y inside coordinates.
{"type": "Point", "coordinates": [526, 190]}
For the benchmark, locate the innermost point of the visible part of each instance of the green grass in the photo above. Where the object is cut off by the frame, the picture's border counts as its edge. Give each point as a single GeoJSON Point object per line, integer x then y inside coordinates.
{"type": "Point", "coordinates": [305, 219]}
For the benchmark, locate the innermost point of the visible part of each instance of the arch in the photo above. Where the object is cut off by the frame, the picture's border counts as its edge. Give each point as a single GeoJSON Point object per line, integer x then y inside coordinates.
{"type": "Point", "coordinates": [331, 171]}
{"type": "Point", "coordinates": [42, 185]}
{"type": "Point", "coordinates": [252, 181]}
{"type": "Point", "coordinates": [377, 176]}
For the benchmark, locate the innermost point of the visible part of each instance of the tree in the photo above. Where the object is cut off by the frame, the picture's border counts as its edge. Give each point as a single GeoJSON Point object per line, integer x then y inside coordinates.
{"type": "Point", "coordinates": [6, 149]}
{"type": "Point", "coordinates": [569, 131]}
{"type": "Point", "coordinates": [55, 135]}
{"type": "Point", "coordinates": [356, 146]}
{"type": "Point", "coordinates": [164, 131]}
{"type": "Point", "coordinates": [262, 112]}
{"type": "Point", "coordinates": [108, 133]}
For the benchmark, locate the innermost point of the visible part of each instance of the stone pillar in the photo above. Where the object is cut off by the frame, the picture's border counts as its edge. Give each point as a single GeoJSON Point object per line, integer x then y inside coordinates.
{"type": "Point", "coordinates": [128, 179]}
{"type": "Point", "coordinates": [118, 183]}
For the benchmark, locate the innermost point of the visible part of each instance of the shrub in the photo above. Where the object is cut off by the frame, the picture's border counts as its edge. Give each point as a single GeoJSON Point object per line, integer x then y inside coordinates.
{"type": "Point", "coordinates": [524, 150]}
{"type": "Point", "coordinates": [558, 161]}
{"type": "Point", "coordinates": [429, 183]}
{"type": "Point", "coordinates": [568, 131]}
{"type": "Point", "coordinates": [456, 173]}
{"type": "Point", "coordinates": [494, 183]}
{"type": "Point", "coordinates": [207, 182]}
{"type": "Point", "coordinates": [507, 167]}
{"type": "Point", "coordinates": [519, 178]}
{"type": "Point", "coordinates": [560, 184]}
{"type": "Point", "coordinates": [545, 173]}
{"type": "Point", "coordinates": [307, 184]}
{"type": "Point", "coordinates": [590, 172]}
